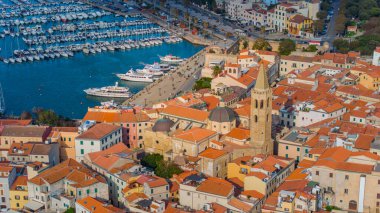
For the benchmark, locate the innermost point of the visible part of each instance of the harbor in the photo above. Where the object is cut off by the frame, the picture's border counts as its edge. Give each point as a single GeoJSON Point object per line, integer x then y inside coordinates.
{"type": "Point", "coordinates": [54, 54]}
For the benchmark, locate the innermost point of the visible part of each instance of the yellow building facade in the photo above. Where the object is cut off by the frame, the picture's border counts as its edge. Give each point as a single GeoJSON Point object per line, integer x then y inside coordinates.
{"type": "Point", "coordinates": [18, 193]}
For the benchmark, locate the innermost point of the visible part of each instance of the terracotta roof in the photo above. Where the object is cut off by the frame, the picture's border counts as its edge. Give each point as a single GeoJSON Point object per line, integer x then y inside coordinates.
{"type": "Point", "coordinates": [216, 186]}
{"type": "Point", "coordinates": [157, 182]}
{"type": "Point", "coordinates": [6, 122]}
{"type": "Point", "coordinates": [24, 131]}
{"type": "Point", "coordinates": [259, 175]}
{"type": "Point", "coordinates": [94, 206]}
{"type": "Point", "coordinates": [253, 193]}
{"type": "Point", "coordinates": [298, 18]}
{"type": "Point", "coordinates": [98, 131]}
{"type": "Point", "coordinates": [70, 170]}
{"type": "Point", "coordinates": [297, 58]}
{"type": "Point", "coordinates": [345, 166]}
{"type": "Point", "coordinates": [212, 153]}
{"type": "Point", "coordinates": [184, 112]}
{"type": "Point", "coordinates": [195, 135]}
{"type": "Point", "coordinates": [116, 117]}
{"type": "Point", "coordinates": [19, 181]}
{"type": "Point", "coordinates": [364, 141]}
{"type": "Point", "coordinates": [20, 149]}
{"type": "Point", "coordinates": [243, 206]}
{"type": "Point", "coordinates": [211, 102]}
{"type": "Point", "coordinates": [239, 133]}
{"type": "Point", "coordinates": [136, 195]}
{"type": "Point", "coordinates": [338, 154]}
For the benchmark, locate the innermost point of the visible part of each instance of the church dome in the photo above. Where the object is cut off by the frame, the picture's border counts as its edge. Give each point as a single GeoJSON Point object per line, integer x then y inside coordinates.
{"type": "Point", "coordinates": [222, 114]}
{"type": "Point", "coordinates": [162, 125]}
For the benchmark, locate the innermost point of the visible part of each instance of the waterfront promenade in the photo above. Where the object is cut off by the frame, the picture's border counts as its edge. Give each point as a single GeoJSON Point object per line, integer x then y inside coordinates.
{"type": "Point", "coordinates": [170, 85]}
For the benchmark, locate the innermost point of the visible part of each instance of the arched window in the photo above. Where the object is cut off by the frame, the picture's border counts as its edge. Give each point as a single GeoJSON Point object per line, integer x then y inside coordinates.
{"type": "Point", "coordinates": [352, 205]}
{"type": "Point", "coordinates": [256, 118]}
{"type": "Point", "coordinates": [261, 104]}
{"type": "Point", "coordinates": [256, 104]}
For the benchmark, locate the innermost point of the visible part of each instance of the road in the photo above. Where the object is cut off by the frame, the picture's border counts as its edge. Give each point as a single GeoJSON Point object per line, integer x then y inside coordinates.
{"type": "Point", "coordinates": [175, 82]}
{"type": "Point", "coordinates": [331, 32]}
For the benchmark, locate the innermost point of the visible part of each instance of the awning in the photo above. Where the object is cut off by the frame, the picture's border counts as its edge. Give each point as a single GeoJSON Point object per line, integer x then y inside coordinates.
{"type": "Point", "coordinates": [33, 205]}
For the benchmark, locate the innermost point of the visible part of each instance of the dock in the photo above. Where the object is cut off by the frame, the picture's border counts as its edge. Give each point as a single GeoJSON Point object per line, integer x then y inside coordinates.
{"type": "Point", "coordinates": [170, 85]}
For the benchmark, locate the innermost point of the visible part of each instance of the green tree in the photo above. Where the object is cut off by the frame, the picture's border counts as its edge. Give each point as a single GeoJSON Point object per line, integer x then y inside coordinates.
{"type": "Point", "coordinates": [341, 45]}
{"type": "Point", "coordinates": [47, 117]}
{"type": "Point", "coordinates": [167, 169]}
{"type": "Point", "coordinates": [287, 46]}
{"type": "Point", "coordinates": [202, 83]}
{"type": "Point", "coordinates": [245, 44]}
{"type": "Point", "coordinates": [311, 48]}
{"type": "Point", "coordinates": [261, 44]}
{"type": "Point", "coordinates": [152, 160]}
{"type": "Point", "coordinates": [216, 71]}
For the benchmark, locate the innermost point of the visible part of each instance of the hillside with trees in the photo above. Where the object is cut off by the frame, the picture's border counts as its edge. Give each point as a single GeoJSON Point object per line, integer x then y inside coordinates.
{"type": "Point", "coordinates": [366, 15]}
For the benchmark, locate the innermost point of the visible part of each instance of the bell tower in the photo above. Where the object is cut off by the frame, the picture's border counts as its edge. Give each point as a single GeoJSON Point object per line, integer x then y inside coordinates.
{"type": "Point", "coordinates": [261, 114]}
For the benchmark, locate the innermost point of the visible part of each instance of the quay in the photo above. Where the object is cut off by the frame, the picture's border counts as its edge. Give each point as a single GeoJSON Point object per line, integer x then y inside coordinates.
{"type": "Point", "coordinates": [170, 85]}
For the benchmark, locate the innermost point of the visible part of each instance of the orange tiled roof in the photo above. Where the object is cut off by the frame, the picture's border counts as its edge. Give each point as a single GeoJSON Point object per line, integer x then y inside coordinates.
{"type": "Point", "coordinates": [184, 112]}
{"type": "Point", "coordinates": [98, 131]}
{"type": "Point", "coordinates": [216, 186]}
{"type": "Point", "coordinates": [239, 133]}
{"type": "Point", "coordinates": [364, 141]}
{"type": "Point", "coordinates": [70, 170]}
{"type": "Point", "coordinates": [253, 193]}
{"type": "Point", "coordinates": [195, 135]}
{"type": "Point", "coordinates": [243, 206]}
{"type": "Point", "coordinates": [116, 117]}
{"type": "Point", "coordinates": [94, 206]}
{"type": "Point", "coordinates": [212, 153]}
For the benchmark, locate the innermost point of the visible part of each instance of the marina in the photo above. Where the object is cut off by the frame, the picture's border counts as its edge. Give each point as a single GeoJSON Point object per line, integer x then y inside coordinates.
{"type": "Point", "coordinates": [53, 51]}
{"type": "Point", "coordinates": [45, 31]}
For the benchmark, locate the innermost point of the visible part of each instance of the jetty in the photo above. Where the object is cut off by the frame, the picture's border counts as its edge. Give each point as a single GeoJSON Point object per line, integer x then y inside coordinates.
{"type": "Point", "coordinates": [172, 84]}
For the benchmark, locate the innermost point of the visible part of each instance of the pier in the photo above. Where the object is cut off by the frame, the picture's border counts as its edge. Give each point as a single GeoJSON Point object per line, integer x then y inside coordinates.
{"type": "Point", "coordinates": [170, 85]}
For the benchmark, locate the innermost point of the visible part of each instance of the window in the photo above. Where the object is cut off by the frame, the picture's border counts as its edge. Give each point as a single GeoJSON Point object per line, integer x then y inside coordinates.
{"type": "Point", "coordinates": [286, 155]}
{"type": "Point", "coordinates": [345, 191]}
{"type": "Point", "coordinates": [92, 143]}
{"type": "Point", "coordinates": [17, 197]}
{"type": "Point", "coordinates": [331, 175]}
{"type": "Point", "coordinates": [151, 191]}
{"type": "Point", "coordinates": [317, 173]}
{"type": "Point", "coordinates": [347, 177]}
{"type": "Point", "coordinates": [82, 151]}
{"type": "Point", "coordinates": [286, 147]}
{"type": "Point", "coordinates": [96, 190]}
{"type": "Point", "coordinates": [88, 191]}
{"type": "Point", "coordinates": [298, 149]}
{"type": "Point", "coordinates": [81, 142]}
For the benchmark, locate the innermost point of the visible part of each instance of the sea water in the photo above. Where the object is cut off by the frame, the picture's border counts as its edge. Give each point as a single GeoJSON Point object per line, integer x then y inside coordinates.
{"type": "Point", "coordinates": [58, 84]}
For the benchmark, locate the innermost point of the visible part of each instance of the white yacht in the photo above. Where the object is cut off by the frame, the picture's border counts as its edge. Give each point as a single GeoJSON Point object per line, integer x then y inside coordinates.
{"type": "Point", "coordinates": [171, 59]}
{"type": "Point", "coordinates": [158, 67]}
{"type": "Point", "coordinates": [150, 72]}
{"type": "Point", "coordinates": [131, 75]}
{"type": "Point", "coordinates": [110, 91]}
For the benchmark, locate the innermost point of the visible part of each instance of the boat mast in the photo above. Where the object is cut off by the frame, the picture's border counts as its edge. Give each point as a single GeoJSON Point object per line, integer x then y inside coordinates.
{"type": "Point", "coordinates": [2, 103]}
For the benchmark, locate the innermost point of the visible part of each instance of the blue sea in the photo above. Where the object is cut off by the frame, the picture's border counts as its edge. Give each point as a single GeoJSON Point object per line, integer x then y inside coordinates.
{"type": "Point", "coordinates": [58, 84]}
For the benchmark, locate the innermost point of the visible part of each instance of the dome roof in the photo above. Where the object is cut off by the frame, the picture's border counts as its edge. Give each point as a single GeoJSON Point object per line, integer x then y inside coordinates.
{"type": "Point", "coordinates": [222, 114]}
{"type": "Point", "coordinates": [162, 125]}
